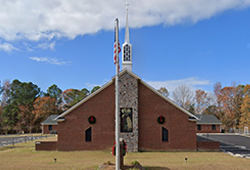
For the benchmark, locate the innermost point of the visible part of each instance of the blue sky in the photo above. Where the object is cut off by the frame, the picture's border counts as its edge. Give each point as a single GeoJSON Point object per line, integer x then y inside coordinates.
{"type": "Point", "coordinates": [70, 43]}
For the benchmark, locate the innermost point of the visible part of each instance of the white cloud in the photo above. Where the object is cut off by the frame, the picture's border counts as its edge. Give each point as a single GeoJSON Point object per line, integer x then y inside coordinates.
{"type": "Point", "coordinates": [28, 46]}
{"type": "Point", "coordinates": [90, 86]}
{"type": "Point", "coordinates": [7, 47]}
{"type": "Point", "coordinates": [47, 45]}
{"type": "Point", "coordinates": [170, 85]}
{"type": "Point", "coordinates": [44, 20]}
{"type": "Point", "coordinates": [53, 61]}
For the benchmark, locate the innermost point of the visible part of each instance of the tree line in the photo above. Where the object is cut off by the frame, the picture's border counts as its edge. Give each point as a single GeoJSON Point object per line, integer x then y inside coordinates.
{"type": "Point", "coordinates": [230, 104]}
{"type": "Point", "coordinates": [23, 106]}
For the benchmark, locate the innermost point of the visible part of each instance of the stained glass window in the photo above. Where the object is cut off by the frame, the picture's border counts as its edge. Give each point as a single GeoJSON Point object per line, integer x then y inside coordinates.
{"type": "Point", "coordinates": [126, 120]}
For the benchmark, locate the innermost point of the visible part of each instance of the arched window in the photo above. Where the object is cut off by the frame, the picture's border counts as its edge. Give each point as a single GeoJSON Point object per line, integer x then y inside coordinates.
{"type": "Point", "coordinates": [164, 135]}
{"type": "Point", "coordinates": [88, 134]}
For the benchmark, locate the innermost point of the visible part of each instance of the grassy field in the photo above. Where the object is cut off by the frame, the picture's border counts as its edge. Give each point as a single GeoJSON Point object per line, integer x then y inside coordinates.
{"type": "Point", "coordinates": [23, 156]}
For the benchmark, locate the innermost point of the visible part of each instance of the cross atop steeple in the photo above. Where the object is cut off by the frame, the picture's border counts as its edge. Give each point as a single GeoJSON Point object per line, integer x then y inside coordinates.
{"type": "Point", "coordinates": [127, 47]}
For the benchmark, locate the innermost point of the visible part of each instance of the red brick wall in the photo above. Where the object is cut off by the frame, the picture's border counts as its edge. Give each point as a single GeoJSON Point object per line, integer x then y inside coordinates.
{"type": "Point", "coordinates": [46, 146]}
{"type": "Point", "coordinates": [208, 129]}
{"type": "Point", "coordinates": [182, 133]}
{"type": "Point", "coordinates": [46, 129]}
{"type": "Point", "coordinates": [208, 146]}
{"type": "Point", "coordinates": [71, 133]}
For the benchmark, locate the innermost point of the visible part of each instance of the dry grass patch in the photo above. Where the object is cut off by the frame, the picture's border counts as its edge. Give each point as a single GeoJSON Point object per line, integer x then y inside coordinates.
{"type": "Point", "coordinates": [23, 156]}
{"type": "Point", "coordinates": [26, 158]}
{"type": "Point", "coordinates": [195, 161]}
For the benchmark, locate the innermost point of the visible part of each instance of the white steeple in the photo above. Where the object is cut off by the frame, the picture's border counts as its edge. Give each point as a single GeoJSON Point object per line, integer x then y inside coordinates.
{"type": "Point", "coordinates": [127, 28]}
{"type": "Point", "coordinates": [127, 48]}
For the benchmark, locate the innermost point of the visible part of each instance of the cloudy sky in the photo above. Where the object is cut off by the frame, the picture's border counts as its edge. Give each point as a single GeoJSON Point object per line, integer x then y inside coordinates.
{"type": "Point", "coordinates": [70, 43]}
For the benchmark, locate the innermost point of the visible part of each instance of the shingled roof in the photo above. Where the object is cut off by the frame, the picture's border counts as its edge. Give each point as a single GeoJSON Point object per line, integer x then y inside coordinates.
{"type": "Point", "coordinates": [50, 120]}
{"type": "Point", "coordinates": [207, 119]}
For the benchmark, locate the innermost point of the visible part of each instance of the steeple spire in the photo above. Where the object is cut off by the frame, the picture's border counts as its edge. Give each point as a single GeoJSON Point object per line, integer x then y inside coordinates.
{"type": "Point", "coordinates": [127, 27]}
{"type": "Point", "coordinates": [127, 47]}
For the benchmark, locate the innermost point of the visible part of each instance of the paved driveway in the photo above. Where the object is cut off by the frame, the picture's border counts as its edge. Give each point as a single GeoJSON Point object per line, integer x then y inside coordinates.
{"type": "Point", "coordinates": [234, 144]}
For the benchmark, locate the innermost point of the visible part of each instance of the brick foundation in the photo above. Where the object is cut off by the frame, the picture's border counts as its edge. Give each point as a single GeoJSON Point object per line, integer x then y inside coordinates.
{"type": "Point", "coordinates": [46, 146]}
{"type": "Point", "coordinates": [208, 146]}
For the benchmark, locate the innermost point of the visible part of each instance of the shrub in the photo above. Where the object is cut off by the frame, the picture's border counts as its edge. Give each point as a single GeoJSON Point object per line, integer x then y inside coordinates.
{"type": "Point", "coordinates": [107, 163]}
{"type": "Point", "coordinates": [135, 163]}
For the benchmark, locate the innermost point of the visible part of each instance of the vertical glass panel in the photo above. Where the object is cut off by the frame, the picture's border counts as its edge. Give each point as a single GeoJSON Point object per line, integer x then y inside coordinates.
{"type": "Point", "coordinates": [50, 127]}
{"type": "Point", "coordinates": [198, 127]}
{"type": "Point", "coordinates": [164, 134]}
{"type": "Point", "coordinates": [88, 135]}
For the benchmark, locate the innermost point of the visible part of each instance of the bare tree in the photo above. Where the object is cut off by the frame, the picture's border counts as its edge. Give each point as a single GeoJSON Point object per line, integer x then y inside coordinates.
{"type": "Point", "coordinates": [4, 91]}
{"type": "Point", "coordinates": [183, 96]}
{"type": "Point", "coordinates": [217, 92]}
{"type": "Point", "coordinates": [163, 91]}
{"type": "Point", "coordinates": [203, 99]}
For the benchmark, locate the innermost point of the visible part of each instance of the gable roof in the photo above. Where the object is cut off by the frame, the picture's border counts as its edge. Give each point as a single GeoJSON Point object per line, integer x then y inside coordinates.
{"type": "Point", "coordinates": [60, 117]}
{"type": "Point", "coordinates": [207, 119]}
{"type": "Point", "coordinates": [50, 120]}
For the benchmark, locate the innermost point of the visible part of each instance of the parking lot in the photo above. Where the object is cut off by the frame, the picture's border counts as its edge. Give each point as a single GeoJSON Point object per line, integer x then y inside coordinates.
{"type": "Point", "coordinates": [234, 144]}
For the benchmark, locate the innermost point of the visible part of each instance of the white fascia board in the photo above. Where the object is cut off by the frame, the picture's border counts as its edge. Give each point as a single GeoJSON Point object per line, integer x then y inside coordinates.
{"type": "Point", "coordinates": [110, 82]}
{"type": "Point", "coordinates": [208, 123]}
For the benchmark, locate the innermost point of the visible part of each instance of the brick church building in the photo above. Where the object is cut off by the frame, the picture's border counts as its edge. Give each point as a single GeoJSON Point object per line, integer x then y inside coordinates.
{"type": "Point", "coordinates": [149, 120]}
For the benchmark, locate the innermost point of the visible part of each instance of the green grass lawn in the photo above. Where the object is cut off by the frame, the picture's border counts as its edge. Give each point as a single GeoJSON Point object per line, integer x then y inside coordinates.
{"type": "Point", "coordinates": [24, 156]}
